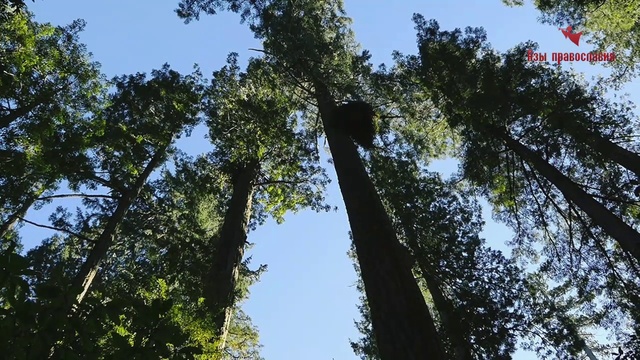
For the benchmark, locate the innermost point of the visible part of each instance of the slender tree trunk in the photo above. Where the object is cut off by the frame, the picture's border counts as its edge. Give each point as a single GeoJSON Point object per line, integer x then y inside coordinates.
{"type": "Point", "coordinates": [11, 221]}
{"type": "Point", "coordinates": [448, 314]}
{"type": "Point", "coordinates": [220, 284]}
{"type": "Point", "coordinates": [605, 147]}
{"type": "Point", "coordinates": [626, 236]}
{"type": "Point", "coordinates": [84, 278]}
{"type": "Point", "coordinates": [401, 321]}
{"type": "Point", "coordinates": [451, 322]}
{"type": "Point", "coordinates": [82, 281]}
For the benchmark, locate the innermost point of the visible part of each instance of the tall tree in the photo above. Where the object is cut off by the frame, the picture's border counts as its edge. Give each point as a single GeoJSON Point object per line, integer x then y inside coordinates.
{"type": "Point", "coordinates": [310, 42]}
{"type": "Point", "coordinates": [146, 117]}
{"type": "Point", "coordinates": [143, 119]}
{"type": "Point", "coordinates": [146, 300]}
{"type": "Point", "coordinates": [271, 165]}
{"type": "Point", "coordinates": [437, 47]}
{"type": "Point", "coordinates": [572, 197]}
{"type": "Point", "coordinates": [48, 84]}
{"type": "Point", "coordinates": [551, 328]}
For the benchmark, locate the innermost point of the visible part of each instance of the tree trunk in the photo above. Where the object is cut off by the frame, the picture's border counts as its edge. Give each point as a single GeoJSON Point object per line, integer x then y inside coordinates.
{"type": "Point", "coordinates": [24, 110]}
{"type": "Point", "coordinates": [11, 221]}
{"type": "Point", "coordinates": [605, 147]}
{"type": "Point", "coordinates": [400, 318]}
{"type": "Point", "coordinates": [626, 236]}
{"type": "Point", "coordinates": [223, 273]}
{"type": "Point", "coordinates": [82, 281]}
{"type": "Point", "coordinates": [450, 320]}
{"type": "Point", "coordinates": [448, 315]}
{"type": "Point", "coordinates": [15, 114]}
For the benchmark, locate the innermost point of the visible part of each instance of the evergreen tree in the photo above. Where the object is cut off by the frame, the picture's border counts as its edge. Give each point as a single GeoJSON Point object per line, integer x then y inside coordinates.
{"type": "Point", "coordinates": [310, 42]}
{"type": "Point", "coordinates": [270, 165]}
{"type": "Point", "coordinates": [547, 181]}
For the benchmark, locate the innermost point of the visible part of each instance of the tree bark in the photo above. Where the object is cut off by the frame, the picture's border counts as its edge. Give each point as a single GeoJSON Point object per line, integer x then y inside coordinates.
{"type": "Point", "coordinates": [223, 273]}
{"type": "Point", "coordinates": [625, 235]}
{"type": "Point", "coordinates": [400, 318]}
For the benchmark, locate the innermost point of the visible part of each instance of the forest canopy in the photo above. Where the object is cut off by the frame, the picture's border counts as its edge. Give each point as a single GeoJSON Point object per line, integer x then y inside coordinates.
{"type": "Point", "coordinates": [150, 257]}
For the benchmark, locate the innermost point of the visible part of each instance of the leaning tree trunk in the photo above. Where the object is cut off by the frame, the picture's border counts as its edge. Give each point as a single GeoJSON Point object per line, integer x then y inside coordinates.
{"type": "Point", "coordinates": [219, 286]}
{"type": "Point", "coordinates": [82, 281]}
{"type": "Point", "coordinates": [625, 235]}
{"type": "Point", "coordinates": [449, 317]}
{"type": "Point", "coordinates": [604, 147]}
{"type": "Point", "coordinates": [11, 221]}
{"type": "Point", "coordinates": [84, 278]}
{"type": "Point", "coordinates": [402, 324]}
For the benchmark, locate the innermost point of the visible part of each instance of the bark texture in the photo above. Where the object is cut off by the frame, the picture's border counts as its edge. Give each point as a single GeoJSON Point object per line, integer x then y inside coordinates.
{"type": "Point", "coordinates": [401, 321]}
{"type": "Point", "coordinates": [223, 272]}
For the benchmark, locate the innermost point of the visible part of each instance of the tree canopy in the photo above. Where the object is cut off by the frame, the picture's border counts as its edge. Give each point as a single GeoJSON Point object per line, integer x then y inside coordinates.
{"type": "Point", "coordinates": [150, 261]}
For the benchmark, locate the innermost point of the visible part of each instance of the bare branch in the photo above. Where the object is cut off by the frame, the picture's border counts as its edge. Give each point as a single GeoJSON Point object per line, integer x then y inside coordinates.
{"type": "Point", "coordinates": [78, 195]}
{"type": "Point", "coordinates": [57, 229]}
{"type": "Point", "coordinates": [271, 182]}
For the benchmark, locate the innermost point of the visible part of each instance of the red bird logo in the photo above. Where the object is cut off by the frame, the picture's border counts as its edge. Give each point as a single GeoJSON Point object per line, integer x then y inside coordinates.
{"type": "Point", "coordinates": [574, 37]}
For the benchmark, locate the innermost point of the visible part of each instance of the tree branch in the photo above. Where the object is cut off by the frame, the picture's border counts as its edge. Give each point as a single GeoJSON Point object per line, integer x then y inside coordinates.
{"type": "Point", "coordinates": [78, 195]}
{"type": "Point", "coordinates": [270, 182]}
{"type": "Point", "coordinates": [81, 237]}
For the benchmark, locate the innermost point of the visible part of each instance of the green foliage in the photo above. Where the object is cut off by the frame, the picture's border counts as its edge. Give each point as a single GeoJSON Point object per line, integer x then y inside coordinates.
{"type": "Point", "coordinates": [554, 113]}
{"type": "Point", "coordinates": [58, 124]}
{"type": "Point", "coordinates": [253, 115]}
{"type": "Point", "coordinates": [48, 84]}
{"type": "Point", "coordinates": [147, 301]}
{"type": "Point", "coordinates": [611, 26]}
{"type": "Point", "coordinates": [10, 8]}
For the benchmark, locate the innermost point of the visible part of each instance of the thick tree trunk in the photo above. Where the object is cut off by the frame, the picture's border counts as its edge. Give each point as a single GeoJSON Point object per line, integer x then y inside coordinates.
{"type": "Point", "coordinates": [625, 235]}
{"type": "Point", "coordinates": [223, 273]}
{"type": "Point", "coordinates": [401, 321]}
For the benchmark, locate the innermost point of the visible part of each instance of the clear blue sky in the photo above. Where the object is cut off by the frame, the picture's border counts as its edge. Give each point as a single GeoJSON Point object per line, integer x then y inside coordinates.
{"type": "Point", "coordinates": [305, 304]}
